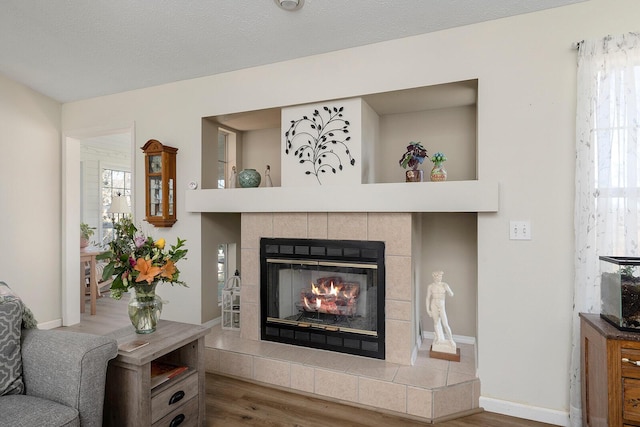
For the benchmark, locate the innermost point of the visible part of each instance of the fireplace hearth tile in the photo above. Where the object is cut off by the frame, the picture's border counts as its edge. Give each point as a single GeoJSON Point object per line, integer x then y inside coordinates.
{"type": "Point", "coordinates": [466, 366]}
{"type": "Point", "coordinates": [272, 371]}
{"type": "Point", "coordinates": [458, 378]}
{"type": "Point", "coordinates": [289, 353]}
{"type": "Point", "coordinates": [236, 364]}
{"type": "Point", "coordinates": [380, 394]}
{"type": "Point", "coordinates": [231, 341]}
{"type": "Point", "coordinates": [427, 395]}
{"type": "Point", "coordinates": [331, 360]}
{"type": "Point", "coordinates": [424, 360]}
{"type": "Point", "coordinates": [475, 398]}
{"type": "Point", "coordinates": [336, 385]}
{"type": "Point", "coordinates": [421, 376]}
{"type": "Point", "coordinates": [302, 377]}
{"type": "Point", "coordinates": [373, 368]}
{"type": "Point", "coordinates": [211, 359]}
{"type": "Point", "coordinates": [453, 399]}
{"type": "Point", "coordinates": [419, 402]}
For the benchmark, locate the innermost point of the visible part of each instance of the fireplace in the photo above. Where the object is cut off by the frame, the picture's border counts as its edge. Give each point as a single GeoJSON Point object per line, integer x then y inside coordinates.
{"type": "Point", "coordinates": [326, 294]}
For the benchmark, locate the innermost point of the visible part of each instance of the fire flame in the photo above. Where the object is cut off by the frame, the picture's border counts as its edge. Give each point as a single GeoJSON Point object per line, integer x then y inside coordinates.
{"type": "Point", "coordinates": [331, 296]}
{"type": "Point", "coordinates": [333, 290]}
{"type": "Point", "coordinates": [307, 304]}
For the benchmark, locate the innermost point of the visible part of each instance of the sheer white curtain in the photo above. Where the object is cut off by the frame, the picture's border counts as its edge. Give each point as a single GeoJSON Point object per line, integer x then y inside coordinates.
{"type": "Point", "coordinates": [607, 173]}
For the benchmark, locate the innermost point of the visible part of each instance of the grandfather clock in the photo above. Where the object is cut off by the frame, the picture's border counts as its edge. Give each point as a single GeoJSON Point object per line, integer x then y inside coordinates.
{"type": "Point", "coordinates": [160, 183]}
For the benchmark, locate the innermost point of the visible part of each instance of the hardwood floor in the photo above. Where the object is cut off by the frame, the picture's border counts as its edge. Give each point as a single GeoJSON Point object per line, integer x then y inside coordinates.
{"type": "Point", "coordinates": [232, 402]}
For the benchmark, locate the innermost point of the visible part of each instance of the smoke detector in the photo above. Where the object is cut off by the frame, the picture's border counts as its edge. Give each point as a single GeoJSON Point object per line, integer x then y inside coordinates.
{"type": "Point", "coordinates": [290, 5]}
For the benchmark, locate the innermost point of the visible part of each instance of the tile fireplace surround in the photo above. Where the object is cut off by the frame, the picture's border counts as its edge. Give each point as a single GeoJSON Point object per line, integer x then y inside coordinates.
{"type": "Point", "coordinates": [408, 381]}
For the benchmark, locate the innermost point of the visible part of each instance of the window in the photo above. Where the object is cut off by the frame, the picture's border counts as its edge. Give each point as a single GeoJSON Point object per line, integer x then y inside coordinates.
{"type": "Point", "coordinates": [114, 182]}
{"type": "Point", "coordinates": [616, 130]}
{"type": "Point", "coordinates": [222, 158]}
{"type": "Point", "coordinates": [222, 269]}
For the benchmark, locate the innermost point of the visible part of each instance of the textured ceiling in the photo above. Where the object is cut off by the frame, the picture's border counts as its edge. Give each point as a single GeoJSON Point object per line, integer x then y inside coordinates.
{"type": "Point", "coordinates": [72, 50]}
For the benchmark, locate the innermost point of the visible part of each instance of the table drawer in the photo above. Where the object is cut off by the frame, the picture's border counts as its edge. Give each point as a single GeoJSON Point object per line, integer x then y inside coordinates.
{"type": "Point", "coordinates": [183, 416]}
{"type": "Point", "coordinates": [630, 358]}
{"type": "Point", "coordinates": [174, 396]}
{"type": "Point", "coordinates": [631, 399]}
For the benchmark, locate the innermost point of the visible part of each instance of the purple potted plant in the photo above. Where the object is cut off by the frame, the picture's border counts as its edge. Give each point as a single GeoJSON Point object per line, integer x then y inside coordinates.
{"type": "Point", "coordinates": [412, 158]}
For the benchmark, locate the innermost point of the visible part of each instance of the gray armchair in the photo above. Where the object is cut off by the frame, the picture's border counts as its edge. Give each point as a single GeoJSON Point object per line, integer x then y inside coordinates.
{"type": "Point", "coordinates": [64, 375]}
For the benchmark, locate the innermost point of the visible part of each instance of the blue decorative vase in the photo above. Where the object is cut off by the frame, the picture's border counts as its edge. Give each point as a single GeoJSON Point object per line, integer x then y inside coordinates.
{"type": "Point", "coordinates": [248, 178]}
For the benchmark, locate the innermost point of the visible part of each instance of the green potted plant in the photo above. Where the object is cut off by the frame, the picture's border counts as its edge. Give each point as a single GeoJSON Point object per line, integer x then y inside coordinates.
{"type": "Point", "coordinates": [412, 158]}
{"type": "Point", "coordinates": [438, 173]}
{"type": "Point", "coordinates": [85, 234]}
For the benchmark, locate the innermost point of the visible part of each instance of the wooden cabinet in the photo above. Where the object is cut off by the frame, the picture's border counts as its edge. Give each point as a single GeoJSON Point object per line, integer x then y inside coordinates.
{"type": "Point", "coordinates": [610, 374]}
{"type": "Point", "coordinates": [131, 401]}
{"type": "Point", "coordinates": [160, 183]}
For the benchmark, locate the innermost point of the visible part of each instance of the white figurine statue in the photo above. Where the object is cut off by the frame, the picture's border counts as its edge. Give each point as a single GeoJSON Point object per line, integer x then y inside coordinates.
{"type": "Point", "coordinates": [267, 177]}
{"type": "Point", "coordinates": [436, 293]}
{"type": "Point", "coordinates": [232, 178]}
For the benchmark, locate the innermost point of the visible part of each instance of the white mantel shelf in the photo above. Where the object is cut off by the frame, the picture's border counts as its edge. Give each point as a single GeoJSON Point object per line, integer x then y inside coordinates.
{"type": "Point", "coordinates": [450, 196]}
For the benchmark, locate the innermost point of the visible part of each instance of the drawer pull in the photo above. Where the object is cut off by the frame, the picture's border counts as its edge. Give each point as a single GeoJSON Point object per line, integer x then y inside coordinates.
{"type": "Point", "coordinates": [633, 362]}
{"type": "Point", "coordinates": [177, 397]}
{"type": "Point", "coordinates": [177, 420]}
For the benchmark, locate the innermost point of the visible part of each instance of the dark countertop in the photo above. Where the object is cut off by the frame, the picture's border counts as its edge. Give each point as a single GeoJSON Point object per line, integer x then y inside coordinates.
{"type": "Point", "coordinates": [607, 329]}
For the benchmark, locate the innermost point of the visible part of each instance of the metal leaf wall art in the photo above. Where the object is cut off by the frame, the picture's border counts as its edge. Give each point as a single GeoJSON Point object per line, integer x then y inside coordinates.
{"type": "Point", "coordinates": [320, 141]}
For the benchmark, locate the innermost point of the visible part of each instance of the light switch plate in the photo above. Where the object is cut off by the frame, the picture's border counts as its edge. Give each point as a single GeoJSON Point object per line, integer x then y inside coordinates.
{"type": "Point", "coordinates": [520, 230]}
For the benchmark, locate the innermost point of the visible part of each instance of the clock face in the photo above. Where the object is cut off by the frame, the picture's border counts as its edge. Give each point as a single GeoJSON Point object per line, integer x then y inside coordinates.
{"type": "Point", "coordinates": [155, 164]}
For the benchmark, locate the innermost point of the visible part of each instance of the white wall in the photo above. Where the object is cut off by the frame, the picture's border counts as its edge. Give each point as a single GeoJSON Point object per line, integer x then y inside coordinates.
{"type": "Point", "coordinates": [526, 69]}
{"type": "Point", "coordinates": [30, 197]}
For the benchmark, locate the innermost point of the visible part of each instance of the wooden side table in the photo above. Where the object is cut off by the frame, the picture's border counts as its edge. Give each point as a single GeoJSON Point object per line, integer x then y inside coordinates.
{"type": "Point", "coordinates": [89, 255]}
{"type": "Point", "coordinates": [129, 398]}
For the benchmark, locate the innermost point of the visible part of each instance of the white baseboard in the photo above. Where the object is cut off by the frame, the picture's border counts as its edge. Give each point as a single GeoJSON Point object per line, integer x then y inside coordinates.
{"type": "Point", "coordinates": [459, 339]}
{"type": "Point", "coordinates": [52, 324]}
{"type": "Point", "coordinates": [527, 412]}
{"type": "Point", "coordinates": [212, 322]}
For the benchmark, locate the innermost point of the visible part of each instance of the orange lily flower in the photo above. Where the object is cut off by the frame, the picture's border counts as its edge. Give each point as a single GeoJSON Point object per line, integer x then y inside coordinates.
{"type": "Point", "coordinates": [147, 271]}
{"type": "Point", "coordinates": [168, 270]}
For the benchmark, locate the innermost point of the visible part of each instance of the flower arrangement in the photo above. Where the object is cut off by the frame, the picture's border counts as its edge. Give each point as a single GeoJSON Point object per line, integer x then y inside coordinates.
{"type": "Point", "coordinates": [414, 156]}
{"type": "Point", "coordinates": [137, 260]}
{"type": "Point", "coordinates": [438, 157]}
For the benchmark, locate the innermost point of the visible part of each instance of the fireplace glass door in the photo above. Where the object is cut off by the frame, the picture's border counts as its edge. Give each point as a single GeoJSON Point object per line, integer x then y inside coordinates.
{"type": "Point", "coordinates": [324, 294]}
{"type": "Point", "coordinates": [329, 295]}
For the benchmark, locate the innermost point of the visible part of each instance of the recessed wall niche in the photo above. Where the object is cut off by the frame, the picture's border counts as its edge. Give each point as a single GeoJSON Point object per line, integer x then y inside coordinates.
{"type": "Point", "coordinates": [443, 117]}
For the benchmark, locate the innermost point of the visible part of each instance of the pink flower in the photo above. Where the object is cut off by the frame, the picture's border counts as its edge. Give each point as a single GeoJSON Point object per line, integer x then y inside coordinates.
{"type": "Point", "coordinates": [132, 262]}
{"type": "Point", "coordinates": [139, 241]}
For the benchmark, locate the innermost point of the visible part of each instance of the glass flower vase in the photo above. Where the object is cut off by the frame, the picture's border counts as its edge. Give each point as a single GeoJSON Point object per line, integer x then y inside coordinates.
{"type": "Point", "coordinates": [144, 308]}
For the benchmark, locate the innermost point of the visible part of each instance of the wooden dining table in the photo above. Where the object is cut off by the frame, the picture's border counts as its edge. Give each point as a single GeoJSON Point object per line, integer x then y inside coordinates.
{"type": "Point", "coordinates": [89, 255]}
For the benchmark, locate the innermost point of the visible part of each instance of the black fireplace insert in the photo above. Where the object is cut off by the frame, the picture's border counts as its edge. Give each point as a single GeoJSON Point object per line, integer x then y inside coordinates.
{"type": "Point", "coordinates": [326, 294]}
